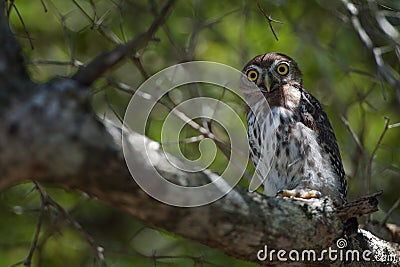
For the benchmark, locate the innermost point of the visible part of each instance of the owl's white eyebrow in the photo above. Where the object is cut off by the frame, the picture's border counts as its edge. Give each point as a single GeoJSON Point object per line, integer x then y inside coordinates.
{"type": "Point", "coordinates": [279, 61]}
{"type": "Point", "coordinates": [255, 67]}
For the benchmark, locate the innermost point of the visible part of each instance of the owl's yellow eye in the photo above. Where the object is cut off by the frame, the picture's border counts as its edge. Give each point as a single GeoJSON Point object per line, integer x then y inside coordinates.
{"type": "Point", "coordinates": [282, 69]}
{"type": "Point", "coordinates": [252, 75]}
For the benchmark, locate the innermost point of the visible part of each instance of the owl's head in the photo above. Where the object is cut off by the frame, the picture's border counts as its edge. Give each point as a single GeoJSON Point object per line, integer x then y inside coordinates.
{"type": "Point", "coordinates": [270, 71]}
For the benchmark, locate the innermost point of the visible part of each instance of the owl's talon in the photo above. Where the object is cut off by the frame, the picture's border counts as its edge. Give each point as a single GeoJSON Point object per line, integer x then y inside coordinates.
{"type": "Point", "coordinates": [299, 193]}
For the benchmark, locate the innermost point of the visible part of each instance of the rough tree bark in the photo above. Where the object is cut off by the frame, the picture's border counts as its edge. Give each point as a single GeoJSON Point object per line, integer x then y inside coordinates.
{"type": "Point", "coordinates": [49, 134]}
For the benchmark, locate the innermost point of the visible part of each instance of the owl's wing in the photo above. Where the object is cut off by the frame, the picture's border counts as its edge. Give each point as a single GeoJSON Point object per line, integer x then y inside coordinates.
{"type": "Point", "coordinates": [313, 116]}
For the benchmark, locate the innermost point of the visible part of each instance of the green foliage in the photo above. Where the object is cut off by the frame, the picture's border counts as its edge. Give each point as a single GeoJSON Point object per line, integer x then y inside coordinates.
{"type": "Point", "coordinates": [337, 67]}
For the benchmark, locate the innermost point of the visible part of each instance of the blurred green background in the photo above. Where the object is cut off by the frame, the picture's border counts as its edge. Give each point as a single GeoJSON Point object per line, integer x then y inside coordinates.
{"type": "Point", "coordinates": [59, 35]}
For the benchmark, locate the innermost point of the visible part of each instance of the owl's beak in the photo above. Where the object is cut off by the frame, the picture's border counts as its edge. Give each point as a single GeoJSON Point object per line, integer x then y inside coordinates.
{"type": "Point", "coordinates": [267, 83]}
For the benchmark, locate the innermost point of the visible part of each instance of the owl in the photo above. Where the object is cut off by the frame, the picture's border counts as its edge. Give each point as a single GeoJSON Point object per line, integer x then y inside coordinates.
{"type": "Point", "coordinates": [292, 143]}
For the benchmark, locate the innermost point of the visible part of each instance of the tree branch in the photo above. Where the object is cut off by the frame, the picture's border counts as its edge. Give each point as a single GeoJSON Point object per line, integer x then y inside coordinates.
{"type": "Point", "coordinates": [269, 20]}
{"type": "Point", "coordinates": [103, 62]}
{"type": "Point", "coordinates": [68, 146]}
{"type": "Point", "coordinates": [54, 138]}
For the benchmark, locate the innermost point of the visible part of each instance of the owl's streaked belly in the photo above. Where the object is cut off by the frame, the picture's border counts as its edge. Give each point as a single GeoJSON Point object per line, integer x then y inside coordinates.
{"type": "Point", "coordinates": [287, 155]}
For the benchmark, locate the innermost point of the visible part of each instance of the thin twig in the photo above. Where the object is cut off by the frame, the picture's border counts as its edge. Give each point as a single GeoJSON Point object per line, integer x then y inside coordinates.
{"type": "Point", "coordinates": [48, 201]}
{"type": "Point", "coordinates": [57, 222]}
{"type": "Point", "coordinates": [389, 213]}
{"type": "Point", "coordinates": [98, 24]}
{"type": "Point", "coordinates": [22, 22]}
{"type": "Point", "coordinates": [39, 225]}
{"type": "Point", "coordinates": [188, 140]}
{"type": "Point", "coordinates": [352, 133]}
{"type": "Point", "coordinates": [93, 5]}
{"type": "Point", "coordinates": [9, 8]}
{"type": "Point", "coordinates": [103, 62]}
{"type": "Point", "coordinates": [369, 165]}
{"type": "Point", "coordinates": [179, 114]}
{"type": "Point", "coordinates": [138, 62]}
{"type": "Point", "coordinates": [179, 52]}
{"type": "Point", "coordinates": [44, 6]}
{"type": "Point", "coordinates": [28, 260]}
{"type": "Point", "coordinates": [269, 19]}
{"type": "Point", "coordinates": [73, 63]}
{"type": "Point", "coordinates": [82, 10]}
{"type": "Point", "coordinates": [394, 125]}
{"type": "Point", "coordinates": [128, 89]}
